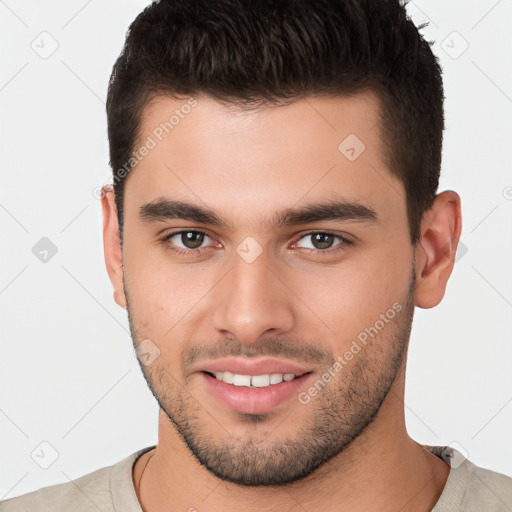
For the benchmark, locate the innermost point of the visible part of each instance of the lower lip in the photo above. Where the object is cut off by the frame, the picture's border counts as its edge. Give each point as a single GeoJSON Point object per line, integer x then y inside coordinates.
{"type": "Point", "coordinates": [253, 400]}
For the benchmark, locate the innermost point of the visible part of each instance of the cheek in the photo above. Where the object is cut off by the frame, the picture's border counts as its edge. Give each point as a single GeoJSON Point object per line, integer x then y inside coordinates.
{"type": "Point", "coordinates": [349, 298]}
{"type": "Point", "coordinates": [164, 296]}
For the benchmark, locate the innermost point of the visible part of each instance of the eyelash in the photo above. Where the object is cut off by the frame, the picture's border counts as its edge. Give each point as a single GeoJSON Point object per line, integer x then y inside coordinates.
{"type": "Point", "coordinates": [196, 252]}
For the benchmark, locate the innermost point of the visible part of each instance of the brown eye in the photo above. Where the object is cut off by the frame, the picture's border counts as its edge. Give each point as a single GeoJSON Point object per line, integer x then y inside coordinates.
{"type": "Point", "coordinates": [192, 239]}
{"type": "Point", "coordinates": [322, 241]}
{"type": "Point", "coordinates": [187, 241]}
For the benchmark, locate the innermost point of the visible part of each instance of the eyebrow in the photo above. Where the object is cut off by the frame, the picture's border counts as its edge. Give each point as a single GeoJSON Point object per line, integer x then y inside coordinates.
{"type": "Point", "coordinates": [162, 209]}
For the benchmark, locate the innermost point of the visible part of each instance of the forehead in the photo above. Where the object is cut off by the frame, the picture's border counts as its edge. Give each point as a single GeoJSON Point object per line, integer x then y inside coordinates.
{"type": "Point", "coordinates": [258, 161]}
{"type": "Point", "coordinates": [314, 118]}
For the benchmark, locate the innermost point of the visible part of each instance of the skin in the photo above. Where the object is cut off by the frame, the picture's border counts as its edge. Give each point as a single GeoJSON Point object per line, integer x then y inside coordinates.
{"type": "Point", "coordinates": [246, 166]}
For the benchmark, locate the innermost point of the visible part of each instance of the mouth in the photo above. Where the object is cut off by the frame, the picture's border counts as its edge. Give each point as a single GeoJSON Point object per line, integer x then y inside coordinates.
{"type": "Point", "coordinates": [254, 394]}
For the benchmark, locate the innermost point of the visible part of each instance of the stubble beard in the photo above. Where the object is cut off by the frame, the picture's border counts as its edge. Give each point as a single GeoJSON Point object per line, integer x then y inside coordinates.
{"type": "Point", "coordinates": [338, 414]}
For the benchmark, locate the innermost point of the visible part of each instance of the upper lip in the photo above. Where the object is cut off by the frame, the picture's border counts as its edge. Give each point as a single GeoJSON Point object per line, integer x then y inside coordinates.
{"type": "Point", "coordinates": [254, 367]}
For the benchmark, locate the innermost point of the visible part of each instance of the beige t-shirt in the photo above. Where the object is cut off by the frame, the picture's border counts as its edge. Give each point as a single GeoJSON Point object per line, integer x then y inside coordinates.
{"type": "Point", "coordinates": [468, 489]}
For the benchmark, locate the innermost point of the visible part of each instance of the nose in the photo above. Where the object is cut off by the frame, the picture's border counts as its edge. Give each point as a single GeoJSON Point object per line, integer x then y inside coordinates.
{"type": "Point", "coordinates": [252, 300]}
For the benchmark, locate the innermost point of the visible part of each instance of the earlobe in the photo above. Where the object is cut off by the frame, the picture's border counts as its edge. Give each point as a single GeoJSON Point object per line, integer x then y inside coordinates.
{"type": "Point", "coordinates": [112, 245]}
{"type": "Point", "coordinates": [435, 251]}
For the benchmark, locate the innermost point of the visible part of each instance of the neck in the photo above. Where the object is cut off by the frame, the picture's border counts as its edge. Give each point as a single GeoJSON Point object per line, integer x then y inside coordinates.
{"type": "Point", "coordinates": [382, 469]}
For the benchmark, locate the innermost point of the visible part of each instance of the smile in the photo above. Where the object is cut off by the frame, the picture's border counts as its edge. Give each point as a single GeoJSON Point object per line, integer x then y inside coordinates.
{"type": "Point", "coordinates": [253, 394]}
{"type": "Point", "coordinates": [253, 381]}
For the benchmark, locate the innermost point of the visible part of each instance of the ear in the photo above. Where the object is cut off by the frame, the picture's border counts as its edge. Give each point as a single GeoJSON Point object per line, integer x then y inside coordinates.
{"type": "Point", "coordinates": [435, 251]}
{"type": "Point", "coordinates": [112, 244]}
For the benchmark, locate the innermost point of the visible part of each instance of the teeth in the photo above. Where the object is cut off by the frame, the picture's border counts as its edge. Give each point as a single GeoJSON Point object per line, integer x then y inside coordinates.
{"type": "Point", "coordinates": [256, 381]}
{"type": "Point", "coordinates": [260, 381]}
{"type": "Point", "coordinates": [227, 377]}
{"type": "Point", "coordinates": [276, 378]}
{"type": "Point", "coordinates": [241, 380]}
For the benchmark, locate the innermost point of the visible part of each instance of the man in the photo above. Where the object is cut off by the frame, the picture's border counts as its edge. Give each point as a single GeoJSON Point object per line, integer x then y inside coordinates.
{"type": "Point", "coordinates": [273, 224]}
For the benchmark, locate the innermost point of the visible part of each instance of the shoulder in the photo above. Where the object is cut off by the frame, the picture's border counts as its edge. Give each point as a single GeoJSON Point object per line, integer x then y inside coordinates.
{"type": "Point", "coordinates": [95, 491]}
{"type": "Point", "coordinates": [490, 490]}
{"type": "Point", "coordinates": [80, 494]}
{"type": "Point", "coordinates": [470, 488]}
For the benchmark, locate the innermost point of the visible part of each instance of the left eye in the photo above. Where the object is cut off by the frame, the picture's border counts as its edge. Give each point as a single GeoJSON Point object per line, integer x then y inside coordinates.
{"type": "Point", "coordinates": [322, 241]}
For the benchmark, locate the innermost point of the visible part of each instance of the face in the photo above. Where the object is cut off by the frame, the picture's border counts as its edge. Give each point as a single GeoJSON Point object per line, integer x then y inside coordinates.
{"type": "Point", "coordinates": [270, 243]}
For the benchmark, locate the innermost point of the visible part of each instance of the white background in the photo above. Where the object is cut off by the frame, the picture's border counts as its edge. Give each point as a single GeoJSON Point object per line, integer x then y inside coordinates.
{"type": "Point", "coordinates": [69, 376]}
